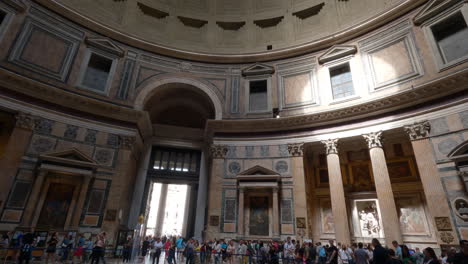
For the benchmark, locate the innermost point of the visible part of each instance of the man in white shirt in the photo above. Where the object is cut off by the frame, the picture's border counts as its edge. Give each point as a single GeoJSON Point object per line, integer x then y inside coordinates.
{"type": "Point", "coordinates": [289, 249]}
{"type": "Point", "coordinates": [157, 246]}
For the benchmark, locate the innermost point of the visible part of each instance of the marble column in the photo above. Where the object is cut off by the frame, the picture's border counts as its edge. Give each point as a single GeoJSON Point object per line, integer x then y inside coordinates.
{"type": "Point", "coordinates": [200, 213]}
{"type": "Point", "coordinates": [383, 186]}
{"type": "Point", "coordinates": [161, 209]}
{"type": "Point", "coordinates": [275, 213]}
{"type": "Point", "coordinates": [81, 202]}
{"type": "Point", "coordinates": [33, 198]}
{"type": "Point", "coordinates": [436, 200]}
{"type": "Point", "coordinates": [139, 187]}
{"type": "Point", "coordinates": [16, 147]}
{"type": "Point", "coordinates": [241, 217]}
{"type": "Point", "coordinates": [187, 212]}
{"type": "Point", "coordinates": [338, 201]}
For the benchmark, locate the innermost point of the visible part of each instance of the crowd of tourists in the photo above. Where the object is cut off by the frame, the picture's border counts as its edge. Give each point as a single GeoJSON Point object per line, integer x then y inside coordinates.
{"type": "Point", "coordinates": [178, 250]}
{"type": "Point", "coordinates": [191, 251]}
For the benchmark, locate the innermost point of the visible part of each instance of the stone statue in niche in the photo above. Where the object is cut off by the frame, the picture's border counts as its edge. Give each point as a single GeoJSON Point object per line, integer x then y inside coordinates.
{"type": "Point", "coordinates": [369, 220]}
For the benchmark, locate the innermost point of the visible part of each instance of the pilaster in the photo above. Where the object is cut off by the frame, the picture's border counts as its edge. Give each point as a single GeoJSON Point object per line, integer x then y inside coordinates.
{"type": "Point", "coordinates": [436, 199]}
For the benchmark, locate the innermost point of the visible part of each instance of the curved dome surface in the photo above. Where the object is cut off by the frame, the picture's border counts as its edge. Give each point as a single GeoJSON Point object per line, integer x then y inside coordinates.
{"type": "Point", "coordinates": [232, 31]}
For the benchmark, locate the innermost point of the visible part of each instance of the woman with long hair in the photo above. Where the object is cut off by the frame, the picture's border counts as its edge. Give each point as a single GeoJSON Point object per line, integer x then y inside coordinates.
{"type": "Point", "coordinates": [52, 247]}
{"type": "Point", "coordinates": [430, 256]}
{"type": "Point", "coordinates": [406, 256]}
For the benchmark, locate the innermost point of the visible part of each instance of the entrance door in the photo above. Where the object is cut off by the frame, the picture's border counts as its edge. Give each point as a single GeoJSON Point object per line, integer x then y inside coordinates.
{"type": "Point", "coordinates": [56, 205]}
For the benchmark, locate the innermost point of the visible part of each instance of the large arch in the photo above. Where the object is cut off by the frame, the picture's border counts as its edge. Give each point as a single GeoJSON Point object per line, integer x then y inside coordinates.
{"type": "Point", "coordinates": [154, 84]}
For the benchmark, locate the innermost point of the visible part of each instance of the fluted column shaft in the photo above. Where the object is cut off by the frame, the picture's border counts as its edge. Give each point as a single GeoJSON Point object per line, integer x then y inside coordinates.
{"type": "Point", "coordinates": [436, 199]}
{"type": "Point", "coordinates": [33, 198]}
{"type": "Point", "coordinates": [161, 209]}
{"type": "Point", "coordinates": [383, 186]}
{"type": "Point", "coordinates": [338, 201]}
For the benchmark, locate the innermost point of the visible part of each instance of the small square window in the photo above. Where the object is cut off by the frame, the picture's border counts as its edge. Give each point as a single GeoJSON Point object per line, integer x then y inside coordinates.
{"type": "Point", "coordinates": [341, 81]}
{"type": "Point", "coordinates": [258, 95]}
{"type": "Point", "coordinates": [451, 35]}
{"type": "Point", "coordinates": [97, 72]}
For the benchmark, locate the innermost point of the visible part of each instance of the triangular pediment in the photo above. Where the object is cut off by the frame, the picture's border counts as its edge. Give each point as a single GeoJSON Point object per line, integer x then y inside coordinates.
{"type": "Point", "coordinates": [69, 157]}
{"type": "Point", "coordinates": [106, 45]}
{"type": "Point", "coordinates": [433, 8]}
{"type": "Point", "coordinates": [258, 69]}
{"type": "Point", "coordinates": [337, 52]}
{"type": "Point", "coordinates": [258, 170]}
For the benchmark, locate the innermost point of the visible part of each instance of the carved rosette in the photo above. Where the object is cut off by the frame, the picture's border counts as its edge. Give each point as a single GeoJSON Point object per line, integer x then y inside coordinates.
{"type": "Point", "coordinates": [25, 121]}
{"type": "Point", "coordinates": [418, 130]}
{"type": "Point", "coordinates": [331, 146]}
{"type": "Point", "coordinates": [218, 151]}
{"type": "Point", "coordinates": [296, 149]}
{"type": "Point", "coordinates": [374, 139]}
{"type": "Point", "coordinates": [127, 142]}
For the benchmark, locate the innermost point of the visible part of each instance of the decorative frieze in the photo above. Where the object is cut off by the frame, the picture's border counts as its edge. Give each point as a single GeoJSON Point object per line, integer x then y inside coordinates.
{"type": "Point", "coordinates": [331, 146]}
{"type": "Point", "coordinates": [218, 151]}
{"type": "Point", "coordinates": [374, 139]}
{"type": "Point", "coordinates": [418, 130]}
{"type": "Point", "coordinates": [24, 120]}
{"type": "Point", "coordinates": [43, 126]}
{"type": "Point", "coordinates": [296, 149]}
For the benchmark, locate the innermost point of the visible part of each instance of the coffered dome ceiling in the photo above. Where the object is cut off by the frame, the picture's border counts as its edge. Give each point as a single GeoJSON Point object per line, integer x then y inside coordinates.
{"type": "Point", "coordinates": [231, 31]}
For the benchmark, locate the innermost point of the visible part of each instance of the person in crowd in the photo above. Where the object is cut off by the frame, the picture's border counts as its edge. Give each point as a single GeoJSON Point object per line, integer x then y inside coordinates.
{"type": "Point", "coordinates": [88, 249]}
{"type": "Point", "coordinates": [217, 251]}
{"type": "Point", "coordinates": [99, 249]}
{"type": "Point", "coordinates": [242, 252]}
{"type": "Point", "coordinates": [398, 250]}
{"type": "Point", "coordinates": [322, 253]}
{"type": "Point", "coordinates": [52, 248]}
{"type": "Point", "coordinates": [189, 251]}
{"type": "Point", "coordinates": [311, 253]}
{"type": "Point", "coordinates": [171, 255]}
{"type": "Point", "coordinates": [157, 246]}
{"type": "Point", "coordinates": [430, 256]}
{"type": "Point", "coordinates": [4, 244]}
{"type": "Point", "coordinates": [394, 259]}
{"type": "Point", "coordinates": [27, 242]}
{"type": "Point", "coordinates": [145, 246]}
{"type": "Point", "coordinates": [127, 250]}
{"type": "Point", "coordinates": [462, 256]}
{"type": "Point", "coordinates": [300, 253]}
{"type": "Point", "coordinates": [332, 253]}
{"type": "Point", "coordinates": [361, 256]}
{"type": "Point", "coordinates": [67, 244]}
{"type": "Point", "coordinates": [230, 251]}
{"type": "Point", "coordinates": [78, 253]}
{"type": "Point", "coordinates": [370, 252]}
{"type": "Point", "coordinates": [343, 255]}
{"type": "Point", "coordinates": [406, 256]}
{"type": "Point", "coordinates": [380, 254]}
{"type": "Point", "coordinates": [180, 245]}
{"type": "Point", "coordinates": [418, 256]}
{"type": "Point", "coordinates": [289, 250]}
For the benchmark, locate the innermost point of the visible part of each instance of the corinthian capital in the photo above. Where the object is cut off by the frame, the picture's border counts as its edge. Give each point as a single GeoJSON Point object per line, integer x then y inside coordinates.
{"type": "Point", "coordinates": [218, 151]}
{"type": "Point", "coordinates": [418, 130]}
{"type": "Point", "coordinates": [331, 146]}
{"type": "Point", "coordinates": [24, 120]}
{"type": "Point", "coordinates": [373, 139]}
{"type": "Point", "coordinates": [296, 149]}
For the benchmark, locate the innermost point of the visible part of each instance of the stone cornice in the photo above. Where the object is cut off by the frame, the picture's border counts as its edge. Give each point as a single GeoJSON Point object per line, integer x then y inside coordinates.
{"type": "Point", "coordinates": [410, 97]}
{"type": "Point", "coordinates": [322, 43]}
{"type": "Point", "coordinates": [74, 102]}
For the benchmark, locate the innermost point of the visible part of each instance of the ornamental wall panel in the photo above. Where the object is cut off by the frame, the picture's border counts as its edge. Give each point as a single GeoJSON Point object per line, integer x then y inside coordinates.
{"type": "Point", "coordinates": [390, 57]}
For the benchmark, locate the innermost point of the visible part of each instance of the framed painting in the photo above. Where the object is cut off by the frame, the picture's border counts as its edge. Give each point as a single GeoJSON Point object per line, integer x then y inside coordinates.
{"type": "Point", "coordinates": [214, 220]}
{"type": "Point", "coordinates": [300, 222]}
{"type": "Point", "coordinates": [413, 219]}
{"type": "Point", "coordinates": [326, 215]}
{"type": "Point", "coordinates": [402, 169]}
{"type": "Point", "coordinates": [360, 176]}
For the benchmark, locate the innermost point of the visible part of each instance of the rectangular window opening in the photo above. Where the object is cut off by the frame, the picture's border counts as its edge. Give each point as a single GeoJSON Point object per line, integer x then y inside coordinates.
{"type": "Point", "coordinates": [97, 72]}
{"type": "Point", "coordinates": [341, 81]}
{"type": "Point", "coordinates": [258, 95]}
{"type": "Point", "coordinates": [451, 35]}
